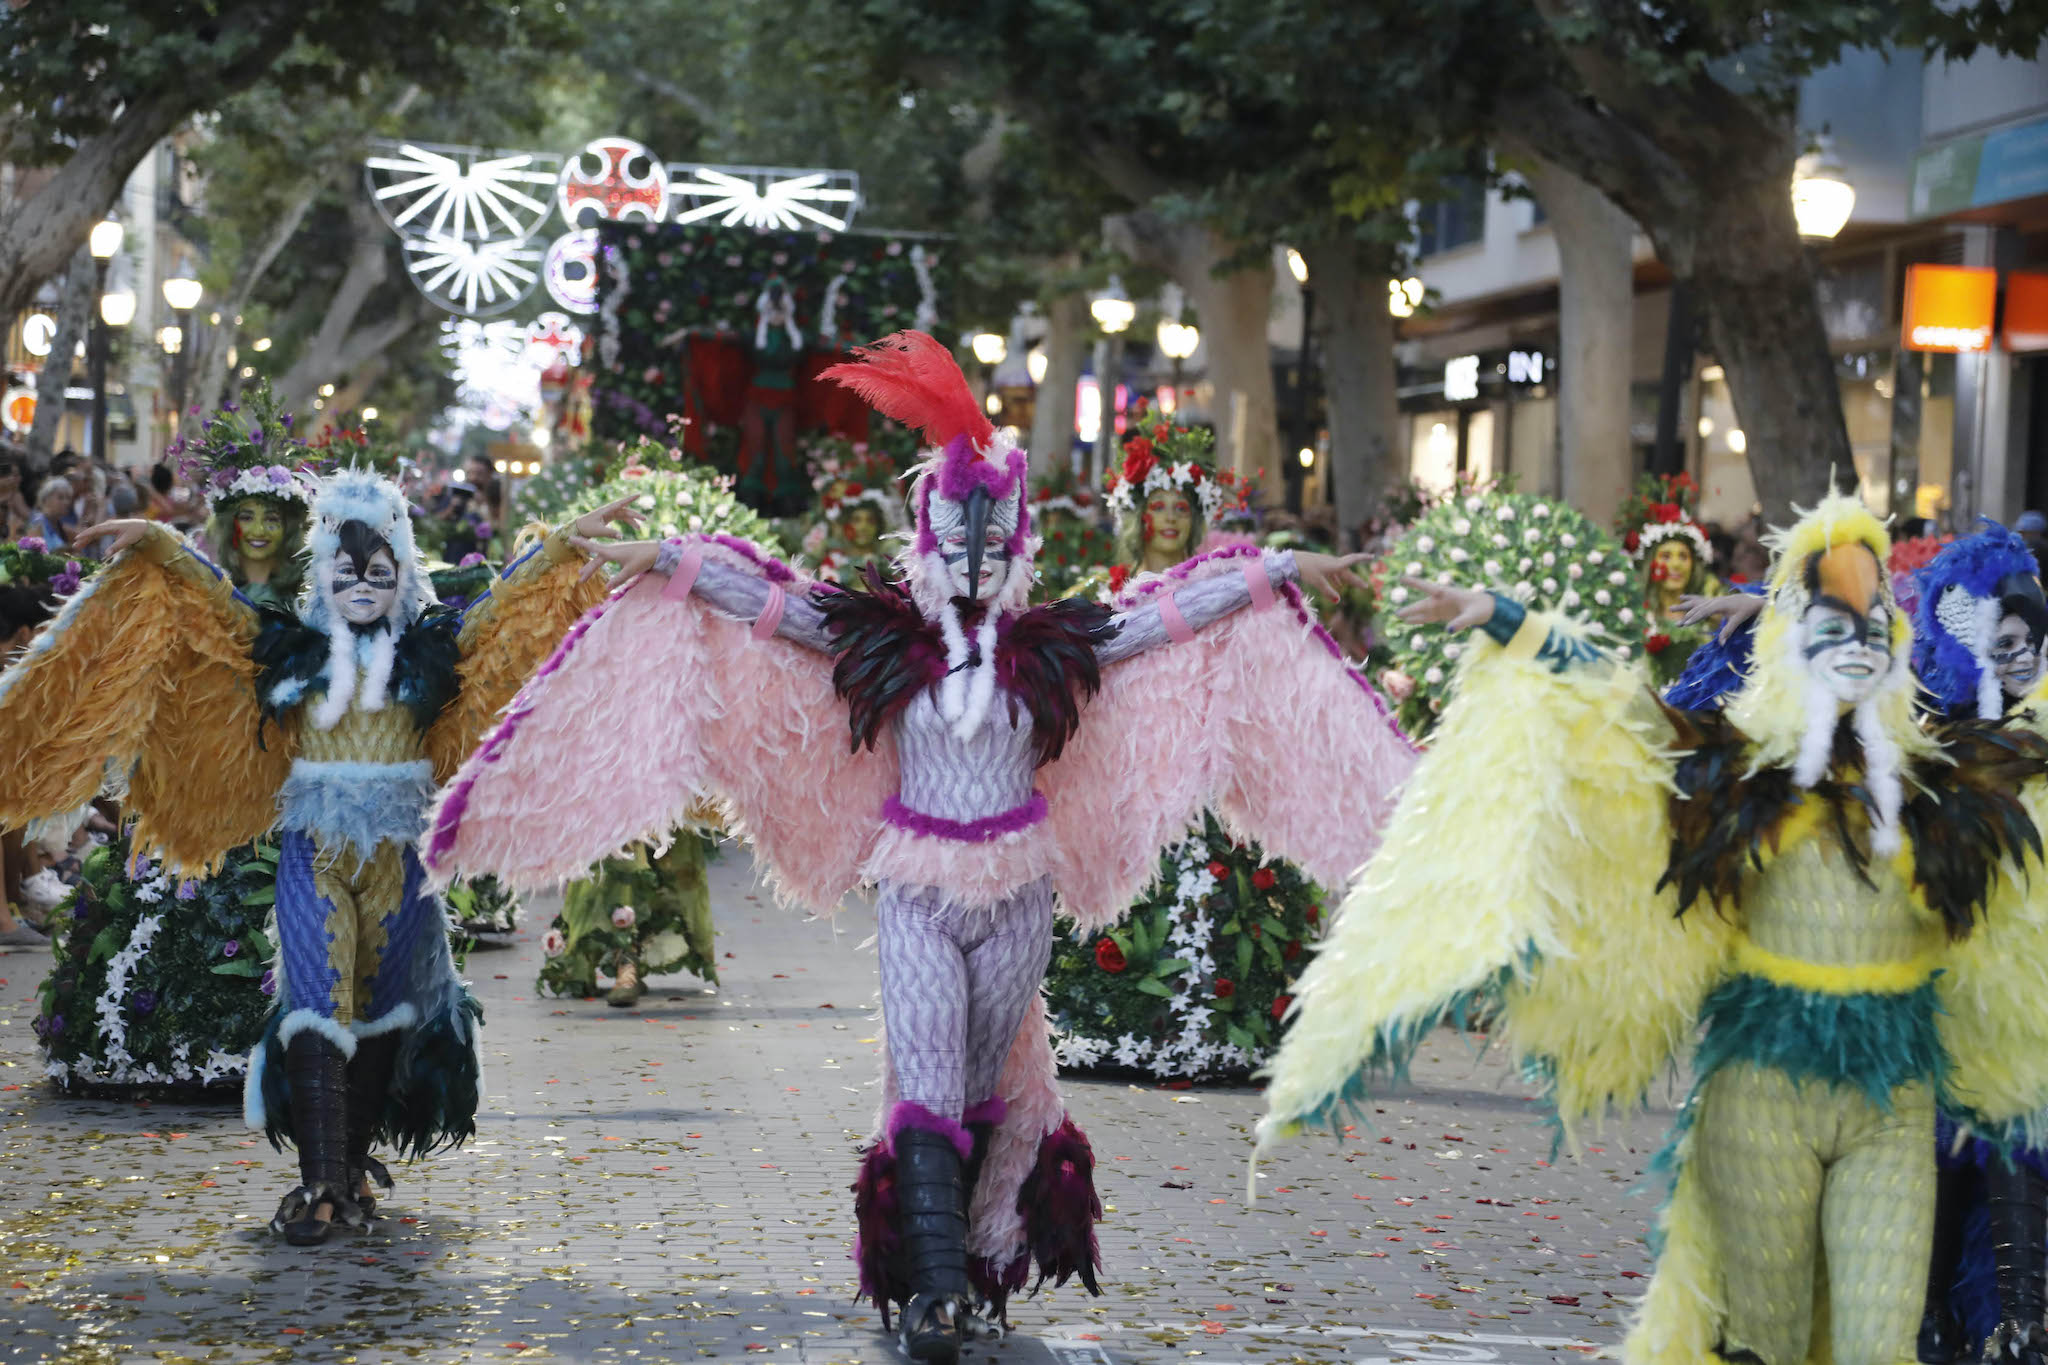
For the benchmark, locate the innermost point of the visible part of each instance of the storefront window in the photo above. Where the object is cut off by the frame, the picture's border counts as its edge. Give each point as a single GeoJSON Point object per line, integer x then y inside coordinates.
{"type": "Point", "coordinates": [1923, 435]}
{"type": "Point", "coordinates": [1865, 378]}
{"type": "Point", "coordinates": [1433, 449]}
{"type": "Point", "coordinates": [1727, 494]}
{"type": "Point", "coordinates": [1479, 461]}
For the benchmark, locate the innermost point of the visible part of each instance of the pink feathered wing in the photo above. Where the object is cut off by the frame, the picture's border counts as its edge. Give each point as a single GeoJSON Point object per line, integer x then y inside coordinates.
{"type": "Point", "coordinates": [649, 706]}
{"type": "Point", "coordinates": [1257, 717]}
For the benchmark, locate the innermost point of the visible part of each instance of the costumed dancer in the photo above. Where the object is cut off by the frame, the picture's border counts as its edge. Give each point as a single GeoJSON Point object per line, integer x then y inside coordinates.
{"type": "Point", "coordinates": [1659, 527]}
{"type": "Point", "coordinates": [183, 1008]}
{"type": "Point", "coordinates": [1861, 945]}
{"type": "Point", "coordinates": [330, 723]}
{"type": "Point", "coordinates": [970, 791]}
{"type": "Point", "coordinates": [1979, 626]}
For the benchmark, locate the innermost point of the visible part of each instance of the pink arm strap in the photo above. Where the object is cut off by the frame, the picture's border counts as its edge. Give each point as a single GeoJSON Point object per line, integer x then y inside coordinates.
{"type": "Point", "coordinates": [684, 576]}
{"type": "Point", "coordinates": [1256, 580]}
{"type": "Point", "coordinates": [1177, 628]}
{"type": "Point", "coordinates": [771, 612]}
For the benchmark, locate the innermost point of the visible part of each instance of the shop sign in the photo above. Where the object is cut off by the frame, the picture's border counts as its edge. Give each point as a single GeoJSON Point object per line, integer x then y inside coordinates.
{"type": "Point", "coordinates": [2026, 312]}
{"type": "Point", "coordinates": [1981, 169]}
{"type": "Point", "coordinates": [1949, 308]}
{"type": "Point", "coordinates": [18, 409]}
{"type": "Point", "coordinates": [1461, 379]}
{"type": "Point", "coordinates": [1526, 367]}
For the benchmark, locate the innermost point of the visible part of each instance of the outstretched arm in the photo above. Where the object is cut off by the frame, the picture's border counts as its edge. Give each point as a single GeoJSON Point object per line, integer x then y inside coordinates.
{"type": "Point", "coordinates": [155, 543]}
{"type": "Point", "coordinates": [1506, 622]}
{"type": "Point", "coordinates": [759, 601]}
{"type": "Point", "coordinates": [548, 565]}
{"type": "Point", "coordinates": [1175, 615]}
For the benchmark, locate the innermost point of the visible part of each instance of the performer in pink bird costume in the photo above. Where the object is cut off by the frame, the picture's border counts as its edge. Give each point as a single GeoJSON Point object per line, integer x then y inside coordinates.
{"type": "Point", "coordinates": [970, 792]}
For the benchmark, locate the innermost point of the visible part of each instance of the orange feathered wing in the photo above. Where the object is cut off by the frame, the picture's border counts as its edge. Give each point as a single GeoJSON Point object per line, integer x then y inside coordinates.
{"type": "Point", "coordinates": [147, 667]}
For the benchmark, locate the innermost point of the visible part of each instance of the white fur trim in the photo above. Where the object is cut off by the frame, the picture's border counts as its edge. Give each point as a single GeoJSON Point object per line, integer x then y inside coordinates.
{"type": "Point", "coordinates": [341, 674]}
{"type": "Point", "coordinates": [1990, 694]}
{"type": "Point", "coordinates": [399, 1016]}
{"type": "Point", "coordinates": [953, 687]}
{"type": "Point", "coordinates": [298, 1021]}
{"type": "Point", "coordinates": [1817, 743]}
{"type": "Point", "coordinates": [981, 688]}
{"type": "Point", "coordinates": [1881, 773]}
{"type": "Point", "coordinates": [382, 647]}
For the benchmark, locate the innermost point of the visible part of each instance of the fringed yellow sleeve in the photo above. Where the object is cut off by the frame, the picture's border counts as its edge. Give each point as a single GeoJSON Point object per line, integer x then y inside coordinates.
{"type": "Point", "coordinates": [147, 664]}
{"type": "Point", "coordinates": [505, 637]}
{"type": "Point", "coordinates": [1994, 1000]}
{"type": "Point", "coordinates": [1520, 867]}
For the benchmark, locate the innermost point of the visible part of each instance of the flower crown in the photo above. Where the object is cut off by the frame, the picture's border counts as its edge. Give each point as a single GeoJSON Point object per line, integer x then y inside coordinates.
{"type": "Point", "coordinates": [246, 449]}
{"type": "Point", "coordinates": [1159, 456]}
{"type": "Point", "coordinates": [1661, 509]}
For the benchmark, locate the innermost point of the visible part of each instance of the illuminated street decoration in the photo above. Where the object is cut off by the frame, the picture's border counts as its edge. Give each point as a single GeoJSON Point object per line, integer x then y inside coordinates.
{"type": "Point", "coordinates": [571, 269]}
{"type": "Point", "coordinates": [460, 193]}
{"type": "Point", "coordinates": [767, 198]}
{"type": "Point", "coordinates": [551, 337]}
{"type": "Point", "coordinates": [612, 178]}
{"type": "Point", "coordinates": [477, 278]}
{"type": "Point", "coordinates": [496, 369]}
{"type": "Point", "coordinates": [469, 217]}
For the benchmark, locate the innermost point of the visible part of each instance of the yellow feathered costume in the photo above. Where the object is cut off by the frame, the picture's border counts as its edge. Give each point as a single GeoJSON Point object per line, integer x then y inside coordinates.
{"type": "Point", "coordinates": [1647, 875]}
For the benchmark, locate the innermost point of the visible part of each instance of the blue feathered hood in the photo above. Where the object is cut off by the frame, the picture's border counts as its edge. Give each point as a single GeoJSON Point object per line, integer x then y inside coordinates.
{"type": "Point", "coordinates": [365, 496]}
{"type": "Point", "coordinates": [1958, 616]}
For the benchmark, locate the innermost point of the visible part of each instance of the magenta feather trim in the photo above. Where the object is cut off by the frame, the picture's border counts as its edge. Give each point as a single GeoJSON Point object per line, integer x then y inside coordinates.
{"type": "Point", "coordinates": [990, 1110]}
{"type": "Point", "coordinates": [877, 1243]}
{"type": "Point", "coordinates": [1013, 821]}
{"type": "Point", "coordinates": [1061, 1209]}
{"type": "Point", "coordinates": [908, 1114]}
{"type": "Point", "coordinates": [962, 469]}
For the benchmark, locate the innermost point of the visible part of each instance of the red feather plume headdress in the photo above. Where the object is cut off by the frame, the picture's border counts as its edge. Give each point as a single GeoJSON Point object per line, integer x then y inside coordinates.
{"type": "Point", "coordinates": [911, 378]}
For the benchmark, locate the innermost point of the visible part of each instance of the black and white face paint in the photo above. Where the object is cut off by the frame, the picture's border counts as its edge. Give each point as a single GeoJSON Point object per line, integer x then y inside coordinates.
{"type": "Point", "coordinates": [366, 597]}
{"type": "Point", "coordinates": [2016, 656]}
{"type": "Point", "coordinates": [1848, 654]}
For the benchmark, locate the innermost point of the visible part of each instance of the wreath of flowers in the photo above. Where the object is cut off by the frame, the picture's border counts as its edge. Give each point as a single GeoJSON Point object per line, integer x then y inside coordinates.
{"type": "Point", "coordinates": [1662, 507]}
{"type": "Point", "coordinates": [1158, 456]}
{"type": "Point", "coordinates": [28, 561]}
{"type": "Point", "coordinates": [675, 495]}
{"type": "Point", "coordinates": [1195, 982]}
{"type": "Point", "coordinates": [246, 449]}
{"type": "Point", "coordinates": [1539, 551]}
{"type": "Point", "coordinates": [156, 996]}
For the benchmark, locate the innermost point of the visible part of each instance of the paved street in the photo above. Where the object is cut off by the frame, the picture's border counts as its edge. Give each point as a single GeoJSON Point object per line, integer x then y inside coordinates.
{"type": "Point", "coordinates": [669, 1182]}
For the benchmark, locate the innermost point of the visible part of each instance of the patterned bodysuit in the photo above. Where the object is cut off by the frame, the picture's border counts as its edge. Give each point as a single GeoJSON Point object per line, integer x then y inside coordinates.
{"type": "Point", "coordinates": [956, 980]}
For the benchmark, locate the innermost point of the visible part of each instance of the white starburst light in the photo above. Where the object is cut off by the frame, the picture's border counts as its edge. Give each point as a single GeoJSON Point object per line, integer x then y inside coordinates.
{"type": "Point", "coordinates": [479, 278]}
{"type": "Point", "coordinates": [761, 199]}
{"type": "Point", "coordinates": [461, 193]}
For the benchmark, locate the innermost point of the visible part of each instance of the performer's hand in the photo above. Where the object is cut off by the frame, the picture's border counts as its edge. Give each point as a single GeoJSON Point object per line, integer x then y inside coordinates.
{"type": "Point", "coordinates": [1735, 610]}
{"type": "Point", "coordinates": [597, 525]}
{"type": "Point", "coordinates": [1442, 603]}
{"type": "Point", "coordinates": [1328, 575]}
{"type": "Point", "coordinates": [634, 557]}
{"type": "Point", "coordinates": [124, 531]}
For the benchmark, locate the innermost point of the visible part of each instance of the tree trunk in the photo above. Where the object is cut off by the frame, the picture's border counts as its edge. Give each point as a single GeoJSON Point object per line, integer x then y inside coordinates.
{"type": "Point", "coordinates": [1234, 309]}
{"type": "Point", "coordinates": [337, 343]}
{"type": "Point", "coordinates": [1754, 281]}
{"type": "Point", "coordinates": [1052, 413]}
{"type": "Point", "coordinates": [74, 318]}
{"type": "Point", "coordinates": [1357, 335]}
{"type": "Point", "coordinates": [1596, 338]}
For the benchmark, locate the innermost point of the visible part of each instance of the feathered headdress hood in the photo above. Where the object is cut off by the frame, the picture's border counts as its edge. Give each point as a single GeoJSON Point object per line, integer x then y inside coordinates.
{"type": "Point", "coordinates": [1836, 551]}
{"type": "Point", "coordinates": [971, 481]}
{"type": "Point", "coordinates": [1962, 592]}
{"type": "Point", "coordinates": [360, 495]}
{"type": "Point", "coordinates": [913, 379]}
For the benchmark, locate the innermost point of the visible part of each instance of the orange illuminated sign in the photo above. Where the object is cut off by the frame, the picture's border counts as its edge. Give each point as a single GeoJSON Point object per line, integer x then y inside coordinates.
{"type": "Point", "coordinates": [2026, 312]}
{"type": "Point", "coordinates": [1949, 308]}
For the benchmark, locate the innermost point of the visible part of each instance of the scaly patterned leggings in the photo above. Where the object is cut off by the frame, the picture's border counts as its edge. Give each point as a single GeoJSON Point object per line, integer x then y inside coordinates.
{"type": "Point", "coordinates": [955, 985]}
{"type": "Point", "coordinates": [1812, 1185]}
{"type": "Point", "coordinates": [349, 928]}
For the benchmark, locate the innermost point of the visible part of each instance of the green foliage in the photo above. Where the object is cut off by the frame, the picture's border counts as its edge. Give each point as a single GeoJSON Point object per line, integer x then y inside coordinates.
{"type": "Point", "coordinates": [482, 905]}
{"type": "Point", "coordinates": [676, 494]}
{"type": "Point", "coordinates": [200, 987]}
{"type": "Point", "coordinates": [1195, 980]}
{"type": "Point", "coordinates": [667, 909]}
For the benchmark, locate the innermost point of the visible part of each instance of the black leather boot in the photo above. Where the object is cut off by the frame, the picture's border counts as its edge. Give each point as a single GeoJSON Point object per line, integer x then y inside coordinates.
{"type": "Point", "coordinates": [1941, 1332]}
{"type": "Point", "coordinates": [930, 1198]}
{"type": "Point", "coordinates": [318, 1075]}
{"type": "Point", "coordinates": [369, 1084]}
{"type": "Point", "coordinates": [2017, 1201]}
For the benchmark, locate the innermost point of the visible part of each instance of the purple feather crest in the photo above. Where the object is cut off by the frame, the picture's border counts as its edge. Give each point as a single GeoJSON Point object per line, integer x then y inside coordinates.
{"type": "Point", "coordinates": [962, 469]}
{"type": "Point", "coordinates": [1977, 564]}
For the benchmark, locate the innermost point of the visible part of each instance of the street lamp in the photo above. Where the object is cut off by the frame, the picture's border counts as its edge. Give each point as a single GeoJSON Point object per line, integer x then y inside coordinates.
{"type": "Point", "coordinates": [104, 242]}
{"type": "Point", "coordinates": [1178, 341]}
{"type": "Point", "coordinates": [182, 293]}
{"type": "Point", "coordinates": [1035, 365]}
{"type": "Point", "coordinates": [1404, 297]}
{"type": "Point", "coordinates": [1822, 197]}
{"type": "Point", "coordinates": [1113, 312]}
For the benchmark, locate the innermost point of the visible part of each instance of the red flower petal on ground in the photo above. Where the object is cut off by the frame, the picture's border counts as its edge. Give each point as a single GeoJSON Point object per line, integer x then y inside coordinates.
{"type": "Point", "coordinates": [1108, 956]}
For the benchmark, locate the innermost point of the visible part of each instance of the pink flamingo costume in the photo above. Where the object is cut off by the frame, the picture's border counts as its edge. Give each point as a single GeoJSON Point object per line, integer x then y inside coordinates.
{"type": "Point", "coordinates": [970, 794]}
